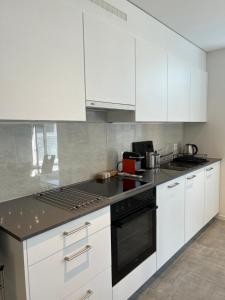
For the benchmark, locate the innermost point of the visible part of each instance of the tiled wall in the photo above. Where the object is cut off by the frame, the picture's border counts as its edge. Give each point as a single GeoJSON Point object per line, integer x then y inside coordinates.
{"type": "Point", "coordinates": [80, 149]}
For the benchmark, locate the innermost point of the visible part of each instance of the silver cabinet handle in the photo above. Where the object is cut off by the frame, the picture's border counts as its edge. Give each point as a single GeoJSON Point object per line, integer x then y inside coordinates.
{"type": "Point", "coordinates": [86, 225]}
{"type": "Point", "coordinates": [88, 294]}
{"type": "Point", "coordinates": [191, 177]}
{"type": "Point", "coordinates": [173, 185]}
{"type": "Point", "coordinates": [209, 169]}
{"type": "Point", "coordinates": [75, 255]}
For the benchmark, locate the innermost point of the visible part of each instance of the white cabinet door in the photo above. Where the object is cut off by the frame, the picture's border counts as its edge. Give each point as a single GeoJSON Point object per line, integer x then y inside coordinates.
{"type": "Point", "coordinates": [170, 219]}
{"type": "Point", "coordinates": [100, 288]}
{"type": "Point", "coordinates": [55, 278]}
{"type": "Point", "coordinates": [198, 96]}
{"type": "Point", "coordinates": [42, 68]}
{"type": "Point", "coordinates": [212, 178]}
{"type": "Point", "coordinates": [109, 63]}
{"type": "Point", "coordinates": [194, 203]}
{"type": "Point", "coordinates": [151, 82]}
{"type": "Point", "coordinates": [178, 89]}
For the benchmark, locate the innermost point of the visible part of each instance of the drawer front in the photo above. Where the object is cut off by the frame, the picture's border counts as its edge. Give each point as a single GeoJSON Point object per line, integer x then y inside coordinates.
{"type": "Point", "coordinates": [95, 289]}
{"type": "Point", "coordinates": [169, 188]}
{"type": "Point", "coordinates": [68, 270]}
{"type": "Point", "coordinates": [48, 243]}
{"type": "Point", "coordinates": [212, 169]}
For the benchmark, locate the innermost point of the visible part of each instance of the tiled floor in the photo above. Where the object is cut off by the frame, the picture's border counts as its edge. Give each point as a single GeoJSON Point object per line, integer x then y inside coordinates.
{"type": "Point", "coordinates": [197, 274]}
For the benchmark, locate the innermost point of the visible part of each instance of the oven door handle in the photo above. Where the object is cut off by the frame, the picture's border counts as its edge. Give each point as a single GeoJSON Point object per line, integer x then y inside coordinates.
{"type": "Point", "coordinates": [120, 222]}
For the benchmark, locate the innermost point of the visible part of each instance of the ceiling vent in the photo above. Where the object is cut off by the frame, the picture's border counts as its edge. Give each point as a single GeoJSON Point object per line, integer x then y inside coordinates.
{"type": "Point", "coordinates": [112, 9]}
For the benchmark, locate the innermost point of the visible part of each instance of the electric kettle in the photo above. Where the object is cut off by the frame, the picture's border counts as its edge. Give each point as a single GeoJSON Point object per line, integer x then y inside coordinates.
{"type": "Point", "coordinates": [190, 149]}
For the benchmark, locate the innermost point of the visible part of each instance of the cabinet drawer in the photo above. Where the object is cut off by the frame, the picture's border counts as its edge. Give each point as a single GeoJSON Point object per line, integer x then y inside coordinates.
{"type": "Point", "coordinates": [95, 289]}
{"type": "Point", "coordinates": [44, 245]}
{"type": "Point", "coordinates": [170, 188]}
{"type": "Point", "coordinates": [71, 268]}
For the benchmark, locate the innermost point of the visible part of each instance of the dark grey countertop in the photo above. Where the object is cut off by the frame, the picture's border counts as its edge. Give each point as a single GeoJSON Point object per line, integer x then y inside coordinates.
{"type": "Point", "coordinates": [26, 217]}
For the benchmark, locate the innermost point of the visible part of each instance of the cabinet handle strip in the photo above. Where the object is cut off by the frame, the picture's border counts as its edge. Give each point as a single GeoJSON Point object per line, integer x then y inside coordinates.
{"type": "Point", "coordinates": [75, 255]}
{"type": "Point", "coordinates": [173, 185]}
{"type": "Point", "coordinates": [88, 294]}
{"type": "Point", "coordinates": [191, 177]}
{"type": "Point", "coordinates": [86, 225]}
{"type": "Point", "coordinates": [209, 169]}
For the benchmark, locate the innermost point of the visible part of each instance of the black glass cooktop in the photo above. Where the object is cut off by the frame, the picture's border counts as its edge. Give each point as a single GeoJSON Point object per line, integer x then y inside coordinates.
{"type": "Point", "coordinates": [109, 187]}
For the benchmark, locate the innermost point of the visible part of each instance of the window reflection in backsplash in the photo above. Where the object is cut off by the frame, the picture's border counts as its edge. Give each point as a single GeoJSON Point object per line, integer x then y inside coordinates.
{"type": "Point", "coordinates": [28, 158]}
{"type": "Point", "coordinates": [44, 148]}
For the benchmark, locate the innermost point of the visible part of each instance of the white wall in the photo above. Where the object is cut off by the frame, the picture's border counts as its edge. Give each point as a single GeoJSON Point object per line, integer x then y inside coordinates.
{"type": "Point", "coordinates": [210, 137]}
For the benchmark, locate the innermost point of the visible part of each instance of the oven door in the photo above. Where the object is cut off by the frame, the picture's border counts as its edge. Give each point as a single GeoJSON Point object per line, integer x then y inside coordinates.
{"type": "Point", "coordinates": [133, 240]}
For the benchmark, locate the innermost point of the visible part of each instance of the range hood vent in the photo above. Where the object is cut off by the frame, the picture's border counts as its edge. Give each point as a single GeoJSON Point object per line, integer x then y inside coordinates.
{"type": "Point", "coordinates": [108, 105]}
{"type": "Point", "coordinates": [110, 8]}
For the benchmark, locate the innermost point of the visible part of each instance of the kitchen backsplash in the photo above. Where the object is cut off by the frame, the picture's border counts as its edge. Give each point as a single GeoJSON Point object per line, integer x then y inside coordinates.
{"type": "Point", "coordinates": [39, 156]}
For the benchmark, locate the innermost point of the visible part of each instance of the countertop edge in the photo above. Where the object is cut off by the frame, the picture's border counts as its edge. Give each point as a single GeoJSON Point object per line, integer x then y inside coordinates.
{"type": "Point", "coordinates": [111, 201]}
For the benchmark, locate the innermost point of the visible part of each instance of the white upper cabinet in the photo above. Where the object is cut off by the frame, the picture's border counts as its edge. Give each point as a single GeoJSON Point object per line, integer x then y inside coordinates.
{"type": "Point", "coordinates": [151, 82]}
{"type": "Point", "coordinates": [198, 96]}
{"type": "Point", "coordinates": [109, 63]}
{"type": "Point", "coordinates": [178, 89]}
{"type": "Point", "coordinates": [42, 68]}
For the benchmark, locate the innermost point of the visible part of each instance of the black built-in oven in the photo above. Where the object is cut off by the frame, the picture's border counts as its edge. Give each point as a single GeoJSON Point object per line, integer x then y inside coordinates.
{"type": "Point", "coordinates": [133, 232]}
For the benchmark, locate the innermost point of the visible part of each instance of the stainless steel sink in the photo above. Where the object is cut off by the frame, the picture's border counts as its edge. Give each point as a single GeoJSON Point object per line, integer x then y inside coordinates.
{"type": "Point", "coordinates": [177, 166]}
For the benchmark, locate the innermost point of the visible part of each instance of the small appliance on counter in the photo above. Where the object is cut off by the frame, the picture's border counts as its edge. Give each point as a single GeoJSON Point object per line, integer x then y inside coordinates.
{"type": "Point", "coordinates": [190, 155]}
{"type": "Point", "coordinates": [190, 149]}
{"type": "Point", "coordinates": [142, 148]}
{"type": "Point", "coordinates": [131, 163]}
{"type": "Point", "coordinates": [152, 160]}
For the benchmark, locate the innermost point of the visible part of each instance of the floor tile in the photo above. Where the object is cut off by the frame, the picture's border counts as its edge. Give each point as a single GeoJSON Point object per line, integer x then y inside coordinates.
{"type": "Point", "coordinates": [198, 273]}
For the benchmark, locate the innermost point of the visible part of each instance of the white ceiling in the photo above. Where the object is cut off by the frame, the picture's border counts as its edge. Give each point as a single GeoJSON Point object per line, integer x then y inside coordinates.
{"type": "Point", "coordinates": [200, 21]}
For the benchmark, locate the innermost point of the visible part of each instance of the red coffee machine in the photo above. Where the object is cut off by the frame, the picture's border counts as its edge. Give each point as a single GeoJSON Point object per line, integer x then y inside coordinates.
{"type": "Point", "coordinates": [131, 162]}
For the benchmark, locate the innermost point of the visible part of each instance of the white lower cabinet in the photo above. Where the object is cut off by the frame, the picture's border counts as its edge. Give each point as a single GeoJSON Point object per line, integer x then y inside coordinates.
{"type": "Point", "coordinates": [185, 205]}
{"type": "Point", "coordinates": [66, 271]}
{"type": "Point", "coordinates": [170, 219]}
{"type": "Point", "coordinates": [194, 203]}
{"type": "Point", "coordinates": [100, 288]}
{"type": "Point", "coordinates": [212, 178]}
